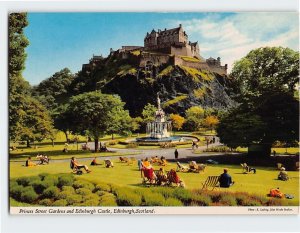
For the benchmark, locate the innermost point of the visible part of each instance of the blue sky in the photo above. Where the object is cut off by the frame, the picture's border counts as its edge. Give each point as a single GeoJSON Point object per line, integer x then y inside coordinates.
{"type": "Point", "coordinates": [59, 40]}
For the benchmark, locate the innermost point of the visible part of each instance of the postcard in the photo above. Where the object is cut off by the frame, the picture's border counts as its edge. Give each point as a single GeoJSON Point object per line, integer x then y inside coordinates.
{"type": "Point", "coordinates": [153, 113]}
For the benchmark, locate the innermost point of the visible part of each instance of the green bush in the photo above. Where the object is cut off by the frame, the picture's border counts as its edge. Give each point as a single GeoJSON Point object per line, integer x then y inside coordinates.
{"type": "Point", "coordinates": [101, 193]}
{"type": "Point", "coordinates": [15, 190]}
{"type": "Point", "coordinates": [103, 187]}
{"type": "Point", "coordinates": [83, 184]}
{"type": "Point", "coordinates": [74, 198]}
{"type": "Point", "coordinates": [83, 191]}
{"type": "Point", "coordinates": [45, 202]}
{"type": "Point", "coordinates": [43, 175]}
{"type": "Point", "coordinates": [28, 195]}
{"type": "Point", "coordinates": [68, 189]}
{"type": "Point", "coordinates": [24, 181]}
{"type": "Point", "coordinates": [172, 202]}
{"type": "Point", "coordinates": [215, 196]}
{"type": "Point", "coordinates": [127, 197]}
{"type": "Point", "coordinates": [201, 199]}
{"type": "Point", "coordinates": [182, 194]}
{"type": "Point", "coordinates": [65, 180]}
{"type": "Point", "coordinates": [153, 199]}
{"type": "Point", "coordinates": [108, 199]}
{"type": "Point", "coordinates": [60, 202]}
{"type": "Point", "coordinates": [39, 186]}
{"type": "Point", "coordinates": [166, 192]}
{"type": "Point", "coordinates": [64, 194]}
{"type": "Point", "coordinates": [51, 192]}
{"type": "Point", "coordinates": [90, 202]}
{"type": "Point", "coordinates": [228, 200]}
{"type": "Point", "coordinates": [49, 181]}
{"type": "Point", "coordinates": [90, 197]}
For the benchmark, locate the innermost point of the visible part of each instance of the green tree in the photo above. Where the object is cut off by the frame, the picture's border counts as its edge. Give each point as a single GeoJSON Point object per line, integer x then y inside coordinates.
{"type": "Point", "coordinates": [263, 85]}
{"type": "Point", "coordinates": [28, 119]}
{"type": "Point", "coordinates": [136, 124]}
{"type": "Point", "coordinates": [98, 113]}
{"type": "Point", "coordinates": [17, 43]}
{"type": "Point", "coordinates": [63, 120]}
{"type": "Point", "coordinates": [194, 118]}
{"type": "Point", "coordinates": [55, 90]}
{"type": "Point", "coordinates": [35, 123]}
{"type": "Point", "coordinates": [148, 113]}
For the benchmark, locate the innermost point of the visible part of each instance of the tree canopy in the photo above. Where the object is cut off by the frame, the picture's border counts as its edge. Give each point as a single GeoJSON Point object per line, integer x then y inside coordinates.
{"type": "Point", "coordinates": [28, 119]}
{"type": "Point", "coordinates": [263, 85]}
{"type": "Point", "coordinates": [99, 114]}
{"type": "Point", "coordinates": [54, 90]}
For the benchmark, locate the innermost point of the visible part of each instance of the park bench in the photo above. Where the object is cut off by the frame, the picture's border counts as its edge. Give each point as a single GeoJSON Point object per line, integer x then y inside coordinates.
{"type": "Point", "coordinates": [211, 182]}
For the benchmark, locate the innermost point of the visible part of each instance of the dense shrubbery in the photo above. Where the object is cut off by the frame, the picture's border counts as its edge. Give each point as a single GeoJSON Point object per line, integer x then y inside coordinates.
{"type": "Point", "coordinates": [64, 190]}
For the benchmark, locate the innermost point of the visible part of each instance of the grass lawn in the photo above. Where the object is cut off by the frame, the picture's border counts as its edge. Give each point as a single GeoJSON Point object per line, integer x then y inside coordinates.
{"type": "Point", "coordinates": [124, 175]}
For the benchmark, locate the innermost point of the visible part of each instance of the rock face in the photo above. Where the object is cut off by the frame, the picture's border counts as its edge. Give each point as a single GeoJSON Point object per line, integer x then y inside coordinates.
{"type": "Point", "coordinates": [179, 88]}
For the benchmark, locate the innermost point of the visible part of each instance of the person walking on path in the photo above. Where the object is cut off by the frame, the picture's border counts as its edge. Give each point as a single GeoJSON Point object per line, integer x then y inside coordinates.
{"type": "Point", "coordinates": [176, 154]}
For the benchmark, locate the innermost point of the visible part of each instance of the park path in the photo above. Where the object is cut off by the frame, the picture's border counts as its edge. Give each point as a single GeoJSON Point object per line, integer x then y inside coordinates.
{"type": "Point", "coordinates": [168, 153]}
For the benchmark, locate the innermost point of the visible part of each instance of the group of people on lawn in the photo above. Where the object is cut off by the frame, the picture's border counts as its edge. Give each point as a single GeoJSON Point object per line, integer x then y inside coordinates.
{"type": "Point", "coordinates": [145, 166]}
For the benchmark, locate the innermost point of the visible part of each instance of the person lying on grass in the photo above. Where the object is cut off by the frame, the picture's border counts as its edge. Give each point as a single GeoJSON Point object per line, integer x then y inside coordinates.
{"type": "Point", "coordinates": [75, 164]}
{"type": "Point", "coordinates": [94, 162]}
{"type": "Point", "coordinates": [29, 163]}
{"type": "Point", "coordinates": [225, 179]}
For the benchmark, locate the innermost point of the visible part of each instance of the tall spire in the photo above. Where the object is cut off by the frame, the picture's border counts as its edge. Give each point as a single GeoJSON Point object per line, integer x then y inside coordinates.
{"type": "Point", "coordinates": [158, 102]}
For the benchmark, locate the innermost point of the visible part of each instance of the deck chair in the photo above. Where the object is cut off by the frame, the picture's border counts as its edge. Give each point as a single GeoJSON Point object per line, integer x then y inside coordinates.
{"type": "Point", "coordinates": [194, 167]}
{"type": "Point", "coordinates": [161, 177]}
{"type": "Point", "coordinates": [162, 162]}
{"type": "Point", "coordinates": [148, 175]}
{"type": "Point", "coordinates": [154, 160]}
{"type": "Point", "coordinates": [108, 163]}
{"type": "Point", "coordinates": [247, 169]}
{"type": "Point", "coordinates": [211, 182]}
{"type": "Point", "coordinates": [174, 178]}
{"type": "Point", "coordinates": [181, 168]}
{"type": "Point", "coordinates": [75, 169]}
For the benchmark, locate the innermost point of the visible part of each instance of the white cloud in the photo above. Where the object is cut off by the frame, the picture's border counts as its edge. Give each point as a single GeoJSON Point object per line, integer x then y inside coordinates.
{"type": "Point", "coordinates": [232, 37]}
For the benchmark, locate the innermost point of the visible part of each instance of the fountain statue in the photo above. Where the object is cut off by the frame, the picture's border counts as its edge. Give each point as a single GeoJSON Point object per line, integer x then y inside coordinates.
{"type": "Point", "coordinates": [159, 128]}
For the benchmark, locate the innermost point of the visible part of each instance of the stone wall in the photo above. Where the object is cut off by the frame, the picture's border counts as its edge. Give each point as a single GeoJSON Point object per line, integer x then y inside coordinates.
{"type": "Point", "coordinates": [155, 59]}
{"type": "Point", "coordinates": [222, 70]}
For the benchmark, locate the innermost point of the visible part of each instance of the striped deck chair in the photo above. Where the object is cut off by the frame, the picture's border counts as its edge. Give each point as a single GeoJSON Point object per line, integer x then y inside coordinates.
{"type": "Point", "coordinates": [211, 182]}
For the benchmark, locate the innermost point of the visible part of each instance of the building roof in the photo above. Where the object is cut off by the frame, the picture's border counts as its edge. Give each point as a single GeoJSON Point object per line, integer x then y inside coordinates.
{"type": "Point", "coordinates": [171, 31]}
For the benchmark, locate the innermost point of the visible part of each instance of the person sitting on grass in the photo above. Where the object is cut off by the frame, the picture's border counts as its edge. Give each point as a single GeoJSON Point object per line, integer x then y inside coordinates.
{"type": "Point", "coordinates": [225, 179]}
{"type": "Point", "coordinates": [94, 162]}
{"type": "Point", "coordinates": [161, 177]}
{"type": "Point", "coordinates": [146, 163]}
{"type": "Point", "coordinates": [283, 174]}
{"type": "Point", "coordinates": [29, 163]}
{"type": "Point", "coordinates": [78, 166]}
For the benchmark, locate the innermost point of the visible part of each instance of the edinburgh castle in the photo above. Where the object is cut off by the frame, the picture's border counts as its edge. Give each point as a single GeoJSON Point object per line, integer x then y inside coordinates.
{"type": "Point", "coordinates": [168, 46]}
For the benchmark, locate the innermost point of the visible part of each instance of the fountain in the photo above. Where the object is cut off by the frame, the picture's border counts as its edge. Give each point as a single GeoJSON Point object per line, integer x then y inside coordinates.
{"type": "Point", "coordinates": [159, 129]}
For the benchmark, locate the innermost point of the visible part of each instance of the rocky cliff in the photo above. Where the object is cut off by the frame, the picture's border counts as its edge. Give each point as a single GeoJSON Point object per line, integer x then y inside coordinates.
{"type": "Point", "coordinates": [180, 87]}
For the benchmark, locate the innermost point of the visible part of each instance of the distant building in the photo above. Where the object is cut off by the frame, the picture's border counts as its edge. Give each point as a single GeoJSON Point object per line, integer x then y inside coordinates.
{"type": "Point", "coordinates": [168, 46]}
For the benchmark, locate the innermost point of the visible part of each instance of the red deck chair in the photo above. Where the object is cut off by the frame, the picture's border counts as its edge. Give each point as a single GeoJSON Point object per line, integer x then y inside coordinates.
{"type": "Point", "coordinates": [148, 175]}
